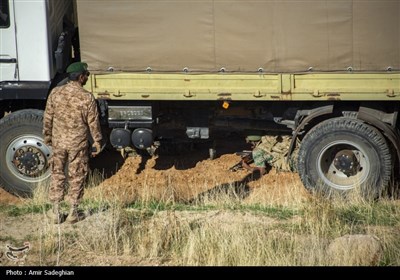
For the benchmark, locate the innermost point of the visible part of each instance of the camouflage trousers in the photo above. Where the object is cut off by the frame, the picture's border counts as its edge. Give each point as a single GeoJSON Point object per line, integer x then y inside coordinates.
{"type": "Point", "coordinates": [273, 150]}
{"type": "Point", "coordinates": [77, 164]}
{"type": "Point", "coordinates": [274, 159]}
{"type": "Point", "coordinates": [260, 157]}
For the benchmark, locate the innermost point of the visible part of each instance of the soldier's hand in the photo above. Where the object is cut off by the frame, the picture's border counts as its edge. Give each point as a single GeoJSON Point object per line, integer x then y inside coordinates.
{"type": "Point", "coordinates": [246, 158]}
{"type": "Point", "coordinates": [96, 149]}
{"type": "Point", "coordinates": [245, 165]}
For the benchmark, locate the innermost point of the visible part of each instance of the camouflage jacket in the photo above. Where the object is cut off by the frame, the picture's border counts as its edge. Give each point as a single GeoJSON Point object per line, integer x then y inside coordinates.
{"type": "Point", "coordinates": [71, 116]}
{"type": "Point", "coordinates": [276, 147]}
{"type": "Point", "coordinates": [274, 144]}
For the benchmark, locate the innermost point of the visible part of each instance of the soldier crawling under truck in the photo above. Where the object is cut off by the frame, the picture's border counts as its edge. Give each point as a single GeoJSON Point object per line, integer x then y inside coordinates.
{"type": "Point", "coordinates": [271, 150]}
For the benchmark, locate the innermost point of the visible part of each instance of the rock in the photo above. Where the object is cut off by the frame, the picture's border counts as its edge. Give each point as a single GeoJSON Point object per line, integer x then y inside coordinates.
{"type": "Point", "coordinates": [356, 249]}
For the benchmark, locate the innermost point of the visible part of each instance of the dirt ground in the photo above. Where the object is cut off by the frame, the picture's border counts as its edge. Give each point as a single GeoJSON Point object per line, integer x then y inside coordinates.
{"type": "Point", "coordinates": [183, 173]}
{"type": "Point", "coordinates": [8, 199]}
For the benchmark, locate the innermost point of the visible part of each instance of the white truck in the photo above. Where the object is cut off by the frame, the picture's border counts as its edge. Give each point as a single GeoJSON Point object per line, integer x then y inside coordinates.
{"type": "Point", "coordinates": [329, 71]}
{"type": "Point", "coordinates": [35, 47]}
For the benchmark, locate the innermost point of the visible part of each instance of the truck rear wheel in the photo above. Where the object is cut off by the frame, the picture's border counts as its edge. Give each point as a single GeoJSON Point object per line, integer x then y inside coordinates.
{"type": "Point", "coordinates": [23, 154]}
{"type": "Point", "coordinates": [342, 154]}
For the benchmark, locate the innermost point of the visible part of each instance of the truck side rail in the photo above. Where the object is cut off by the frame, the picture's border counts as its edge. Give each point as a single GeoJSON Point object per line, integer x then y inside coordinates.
{"type": "Point", "coordinates": [247, 87]}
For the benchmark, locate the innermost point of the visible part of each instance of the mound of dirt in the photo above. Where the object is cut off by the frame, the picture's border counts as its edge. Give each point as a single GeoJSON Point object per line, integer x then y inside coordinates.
{"type": "Point", "coordinates": [9, 199]}
{"type": "Point", "coordinates": [192, 176]}
{"type": "Point", "coordinates": [186, 176]}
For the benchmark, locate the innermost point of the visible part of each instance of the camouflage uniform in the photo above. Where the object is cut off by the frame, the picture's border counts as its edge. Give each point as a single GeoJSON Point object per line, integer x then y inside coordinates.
{"type": "Point", "coordinates": [71, 115]}
{"type": "Point", "coordinates": [272, 150]}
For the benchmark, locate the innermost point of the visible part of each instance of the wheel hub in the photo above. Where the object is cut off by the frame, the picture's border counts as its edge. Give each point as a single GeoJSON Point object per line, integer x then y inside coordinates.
{"type": "Point", "coordinates": [343, 165]}
{"type": "Point", "coordinates": [29, 161]}
{"type": "Point", "coordinates": [27, 158]}
{"type": "Point", "coordinates": [346, 162]}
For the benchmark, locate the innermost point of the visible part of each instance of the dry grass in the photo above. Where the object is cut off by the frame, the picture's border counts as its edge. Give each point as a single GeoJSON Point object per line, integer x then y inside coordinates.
{"type": "Point", "coordinates": [275, 224]}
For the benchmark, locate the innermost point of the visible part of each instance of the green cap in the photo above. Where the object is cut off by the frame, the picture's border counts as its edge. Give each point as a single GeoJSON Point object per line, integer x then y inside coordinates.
{"type": "Point", "coordinates": [253, 137]}
{"type": "Point", "coordinates": [77, 67]}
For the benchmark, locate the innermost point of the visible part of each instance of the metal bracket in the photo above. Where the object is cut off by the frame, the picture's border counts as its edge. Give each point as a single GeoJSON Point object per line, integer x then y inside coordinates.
{"type": "Point", "coordinates": [258, 94]}
{"type": "Point", "coordinates": [188, 94]}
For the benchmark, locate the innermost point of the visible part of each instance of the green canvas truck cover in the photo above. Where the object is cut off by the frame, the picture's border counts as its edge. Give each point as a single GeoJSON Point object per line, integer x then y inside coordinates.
{"type": "Point", "coordinates": [240, 35]}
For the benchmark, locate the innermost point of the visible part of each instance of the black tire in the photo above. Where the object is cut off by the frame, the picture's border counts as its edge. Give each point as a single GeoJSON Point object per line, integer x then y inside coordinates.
{"type": "Point", "coordinates": [342, 154]}
{"type": "Point", "coordinates": [23, 154]}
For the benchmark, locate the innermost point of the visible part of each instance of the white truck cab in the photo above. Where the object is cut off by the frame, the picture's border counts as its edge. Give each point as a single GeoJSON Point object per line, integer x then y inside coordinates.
{"type": "Point", "coordinates": [8, 46]}
{"type": "Point", "coordinates": [30, 32]}
{"type": "Point", "coordinates": [35, 48]}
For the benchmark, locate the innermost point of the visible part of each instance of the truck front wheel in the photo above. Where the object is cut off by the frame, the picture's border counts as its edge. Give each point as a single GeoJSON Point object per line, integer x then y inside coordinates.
{"type": "Point", "coordinates": [23, 154]}
{"type": "Point", "coordinates": [342, 154]}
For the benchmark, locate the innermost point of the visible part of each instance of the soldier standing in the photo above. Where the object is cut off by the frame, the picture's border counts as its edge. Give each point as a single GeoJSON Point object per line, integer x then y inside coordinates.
{"type": "Point", "coordinates": [71, 116]}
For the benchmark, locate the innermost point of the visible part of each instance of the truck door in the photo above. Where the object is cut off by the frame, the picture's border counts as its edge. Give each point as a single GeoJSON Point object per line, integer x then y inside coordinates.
{"type": "Point", "coordinates": [8, 47]}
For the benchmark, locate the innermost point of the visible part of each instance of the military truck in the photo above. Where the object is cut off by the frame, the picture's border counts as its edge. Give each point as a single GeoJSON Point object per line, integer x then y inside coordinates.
{"type": "Point", "coordinates": [329, 72]}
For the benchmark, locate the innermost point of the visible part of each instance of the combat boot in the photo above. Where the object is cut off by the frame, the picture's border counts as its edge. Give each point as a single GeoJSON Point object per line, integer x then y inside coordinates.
{"type": "Point", "coordinates": [55, 214]}
{"type": "Point", "coordinates": [74, 215]}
